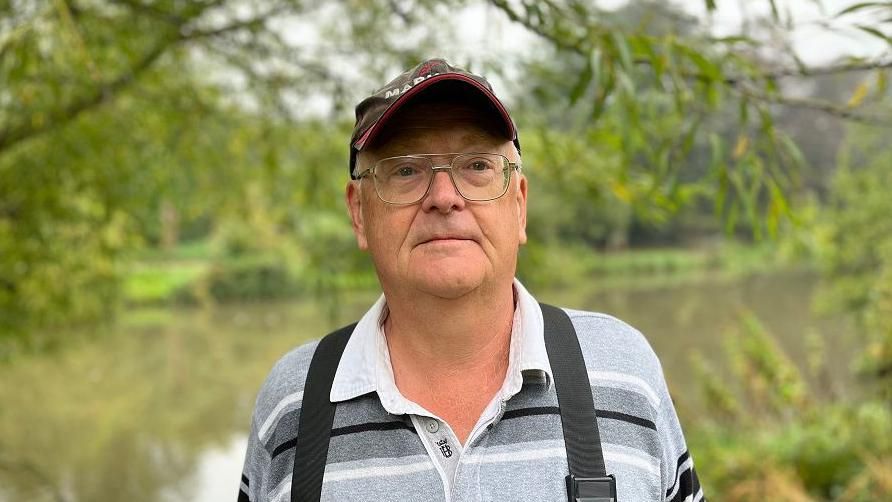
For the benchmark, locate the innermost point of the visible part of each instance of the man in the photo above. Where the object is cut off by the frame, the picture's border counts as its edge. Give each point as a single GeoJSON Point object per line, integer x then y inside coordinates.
{"type": "Point", "coordinates": [445, 390]}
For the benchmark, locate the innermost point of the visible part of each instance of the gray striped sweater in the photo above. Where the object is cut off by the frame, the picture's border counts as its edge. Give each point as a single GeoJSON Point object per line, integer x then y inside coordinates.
{"type": "Point", "coordinates": [519, 456]}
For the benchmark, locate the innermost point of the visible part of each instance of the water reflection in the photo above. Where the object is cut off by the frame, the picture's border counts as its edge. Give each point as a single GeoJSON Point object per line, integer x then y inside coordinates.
{"type": "Point", "coordinates": [216, 476]}
{"type": "Point", "coordinates": [157, 410]}
{"type": "Point", "coordinates": [130, 416]}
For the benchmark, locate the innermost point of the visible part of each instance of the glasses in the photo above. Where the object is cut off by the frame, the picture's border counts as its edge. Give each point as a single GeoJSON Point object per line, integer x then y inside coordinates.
{"type": "Point", "coordinates": [407, 179]}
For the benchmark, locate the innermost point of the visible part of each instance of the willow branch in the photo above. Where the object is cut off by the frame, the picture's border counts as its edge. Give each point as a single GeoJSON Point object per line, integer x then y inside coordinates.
{"type": "Point", "coordinates": [735, 82]}
{"type": "Point", "coordinates": [842, 112]}
{"type": "Point", "coordinates": [814, 71]}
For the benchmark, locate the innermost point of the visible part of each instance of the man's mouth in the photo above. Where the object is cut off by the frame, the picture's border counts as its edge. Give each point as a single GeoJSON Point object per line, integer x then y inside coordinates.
{"type": "Point", "coordinates": [445, 238]}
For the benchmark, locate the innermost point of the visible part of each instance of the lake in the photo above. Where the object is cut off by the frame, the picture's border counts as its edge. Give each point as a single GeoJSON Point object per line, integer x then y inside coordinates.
{"type": "Point", "coordinates": [156, 408]}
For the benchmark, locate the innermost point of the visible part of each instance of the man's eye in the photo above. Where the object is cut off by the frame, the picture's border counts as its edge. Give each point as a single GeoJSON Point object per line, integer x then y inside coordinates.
{"type": "Point", "coordinates": [404, 171]}
{"type": "Point", "coordinates": [478, 166]}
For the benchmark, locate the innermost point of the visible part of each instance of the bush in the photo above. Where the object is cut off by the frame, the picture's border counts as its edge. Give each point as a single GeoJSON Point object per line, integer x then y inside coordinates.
{"type": "Point", "coordinates": [767, 437]}
{"type": "Point", "coordinates": [857, 255]}
{"type": "Point", "coordinates": [242, 280]}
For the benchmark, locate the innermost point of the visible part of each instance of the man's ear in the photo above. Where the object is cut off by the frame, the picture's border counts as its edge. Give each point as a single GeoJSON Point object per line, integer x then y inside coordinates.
{"type": "Point", "coordinates": [521, 198]}
{"type": "Point", "coordinates": [353, 197]}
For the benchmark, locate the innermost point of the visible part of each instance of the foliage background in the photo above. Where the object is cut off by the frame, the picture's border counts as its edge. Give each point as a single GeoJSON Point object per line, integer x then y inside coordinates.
{"type": "Point", "coordinates": [158, 152]}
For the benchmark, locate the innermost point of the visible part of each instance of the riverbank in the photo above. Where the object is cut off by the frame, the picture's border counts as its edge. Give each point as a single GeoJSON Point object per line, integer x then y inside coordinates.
{"type": "Point", "coordinates": [191, 375]}
{"type": "Point", "coordinates": [191, 274]}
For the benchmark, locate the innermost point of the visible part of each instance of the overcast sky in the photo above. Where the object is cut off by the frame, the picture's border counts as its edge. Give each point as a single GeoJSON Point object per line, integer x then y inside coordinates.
{"type": "Point", "coordinates": [814, 44]}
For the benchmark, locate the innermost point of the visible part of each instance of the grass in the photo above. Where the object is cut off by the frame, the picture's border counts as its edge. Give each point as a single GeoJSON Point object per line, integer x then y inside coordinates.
{"type": "Point", "coordinates": [200, 250]}
{"type": "Point", "coordinates": [156, 281]}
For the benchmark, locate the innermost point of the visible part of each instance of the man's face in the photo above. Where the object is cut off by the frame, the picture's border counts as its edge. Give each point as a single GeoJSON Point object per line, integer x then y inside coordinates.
{"type": "Point", "coordinates": [443, 245]}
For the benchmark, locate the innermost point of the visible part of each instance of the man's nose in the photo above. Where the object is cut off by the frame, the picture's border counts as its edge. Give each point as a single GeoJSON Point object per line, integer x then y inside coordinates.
{"type": "Point", "coordinates": [442, 196]}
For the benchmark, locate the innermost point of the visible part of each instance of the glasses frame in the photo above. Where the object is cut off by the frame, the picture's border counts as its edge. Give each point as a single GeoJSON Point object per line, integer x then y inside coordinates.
{"type": "Point", "coordinates": [509, 167]}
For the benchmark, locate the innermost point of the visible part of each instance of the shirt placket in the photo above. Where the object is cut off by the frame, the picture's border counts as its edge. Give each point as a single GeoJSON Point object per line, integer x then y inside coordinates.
{"type": "Point", "coordinates": [442, 446]}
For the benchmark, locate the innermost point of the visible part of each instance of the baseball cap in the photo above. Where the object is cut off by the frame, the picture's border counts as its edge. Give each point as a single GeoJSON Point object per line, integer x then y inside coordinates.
{"type": "Point", "coordinates": [428, 77]}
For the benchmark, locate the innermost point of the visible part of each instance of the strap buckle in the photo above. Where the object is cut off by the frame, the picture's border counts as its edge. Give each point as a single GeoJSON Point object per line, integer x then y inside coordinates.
{"type": "Point", "coordinates": [591, 489]}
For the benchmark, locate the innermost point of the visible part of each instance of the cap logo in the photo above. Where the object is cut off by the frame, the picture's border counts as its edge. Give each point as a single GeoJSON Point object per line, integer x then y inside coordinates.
{"type": "Point", "coordinates": [396, 91]}
{"type": "Point", "coordinates": [428, 66]}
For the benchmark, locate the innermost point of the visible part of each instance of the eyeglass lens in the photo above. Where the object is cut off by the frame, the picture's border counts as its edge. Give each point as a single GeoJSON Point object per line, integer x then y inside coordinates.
{"type": "Point", "coordinates": [404, 180]}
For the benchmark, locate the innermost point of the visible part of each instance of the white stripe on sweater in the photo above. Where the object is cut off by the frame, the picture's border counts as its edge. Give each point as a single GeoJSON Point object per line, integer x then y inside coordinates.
{"type": "Point", "coordinates": [519, 456]}
{"type": "Point", "coordinates": [628, 456]}
{"type": "Point", "coordinates": [637, 384]}
{"type": "Point", "coordinates": [377, 471]}
{"type": "Point", "coordinates": [282, 491]}
{"type": "Point", "coordinates": [274, 415]}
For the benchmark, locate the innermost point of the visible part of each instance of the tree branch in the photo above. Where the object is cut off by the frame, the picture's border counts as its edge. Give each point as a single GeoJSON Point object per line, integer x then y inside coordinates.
{"type": "Point", "coordinates": [734, 82]}
{"type": "Point", "coordinates": [109, 89]}
{"type": "Point", "coordinates": [27, 129]}
{"type": "Point", "coordinates": [152, 10]}
{"type": "Point", "coordinates": [816, 71]}
{"type": "Point", "coordinates": [827, 107]}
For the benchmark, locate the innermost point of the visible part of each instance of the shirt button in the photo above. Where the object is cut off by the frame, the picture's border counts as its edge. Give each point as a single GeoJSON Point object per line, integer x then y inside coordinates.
{"type": "Point", "coordinates": [433, 426]}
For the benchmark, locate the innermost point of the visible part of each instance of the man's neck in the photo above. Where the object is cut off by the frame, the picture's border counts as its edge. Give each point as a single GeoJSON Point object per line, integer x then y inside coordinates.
{"type": "Point", "coordinates": [450, 335]}
{"type": "Point", "coordinates": [451, 356]}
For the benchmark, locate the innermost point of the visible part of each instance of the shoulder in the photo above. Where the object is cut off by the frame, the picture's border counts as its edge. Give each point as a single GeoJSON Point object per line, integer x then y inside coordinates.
{"type": "Point", "coordinates": [285, 381]}
{"type": "Point", "coordinates": [614, 349]}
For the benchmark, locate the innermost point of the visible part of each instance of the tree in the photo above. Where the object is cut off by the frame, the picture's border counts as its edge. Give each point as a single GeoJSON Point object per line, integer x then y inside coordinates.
{"type": "Point", "coordinates": [112, 110]}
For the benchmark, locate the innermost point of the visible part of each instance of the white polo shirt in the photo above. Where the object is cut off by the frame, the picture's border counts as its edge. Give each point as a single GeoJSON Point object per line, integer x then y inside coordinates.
{"type": "Point", "coordinates": [365, 367]}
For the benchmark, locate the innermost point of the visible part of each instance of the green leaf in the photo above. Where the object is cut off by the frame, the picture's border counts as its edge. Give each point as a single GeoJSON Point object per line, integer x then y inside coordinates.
{"type": "Point", "coordinates": [858, 96]}
{"type": "Point", "coordinates": [619, 42]}
{"type": "Point", "coordinates": [733, 216]}
{"type": "Point", "coordinates": [595, 63]}
{"type": "Point", "coordinates": [707, 68]}
{"type": "Point", "coordinates": [608, 81]}
{"type": "Point", "coordinates": [710, 5]}
{"type": "Point", "coordinates": [861, 6]}
{"type": "Point", "coordinates": [713, 95]}
{"type": "Point", "coordinates": [735, 39]}
{"type": "Point", "coordinates": [691, 135]}
{"type": "Point", "coordinates": [744, 111]}
{"type": "Point", "coordinates": [582, 83]}
{"type": "Point", "coordinates": [875, 32]}
{"type": "Point", "coordinates": [792, 149]}
{"type": "Point", "coordinates": [717, 150]}
{"type": "Point", "coordinates": [657, 62]}
{"type": "Point", "coordinates": [774, 12]}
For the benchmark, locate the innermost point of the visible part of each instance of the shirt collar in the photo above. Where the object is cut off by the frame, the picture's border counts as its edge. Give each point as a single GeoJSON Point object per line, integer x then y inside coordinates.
{"type": "Point", "coordinates": [365, 364]}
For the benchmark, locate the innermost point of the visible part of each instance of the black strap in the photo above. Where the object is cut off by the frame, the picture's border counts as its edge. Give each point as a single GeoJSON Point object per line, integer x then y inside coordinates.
{"type": "Point", "coordinates": [584, 456]}
{"type": "Point", "coordinates": [316, 416]}
{"type": "Point", "coordinates": [585, 459]}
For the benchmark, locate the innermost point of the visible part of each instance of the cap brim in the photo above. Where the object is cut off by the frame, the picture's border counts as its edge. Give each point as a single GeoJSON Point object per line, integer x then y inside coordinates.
{"type": "Point", "coordinates": [369, 135]}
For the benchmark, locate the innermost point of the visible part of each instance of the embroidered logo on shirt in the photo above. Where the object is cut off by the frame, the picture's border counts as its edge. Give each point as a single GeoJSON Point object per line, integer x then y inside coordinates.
{"type": "Point", "coordinates": [444, 448]}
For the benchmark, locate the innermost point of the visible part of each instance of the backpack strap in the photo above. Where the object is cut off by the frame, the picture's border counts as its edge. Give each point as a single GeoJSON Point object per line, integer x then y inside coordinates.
{"type": "Point", "coordinates": [316, 417]}
{"type": "Point", "coordinates": [588, 480]}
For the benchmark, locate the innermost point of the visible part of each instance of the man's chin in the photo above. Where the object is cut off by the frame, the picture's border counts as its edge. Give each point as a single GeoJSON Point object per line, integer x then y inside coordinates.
{"type": "Point", "coordinates": [448, 287]}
